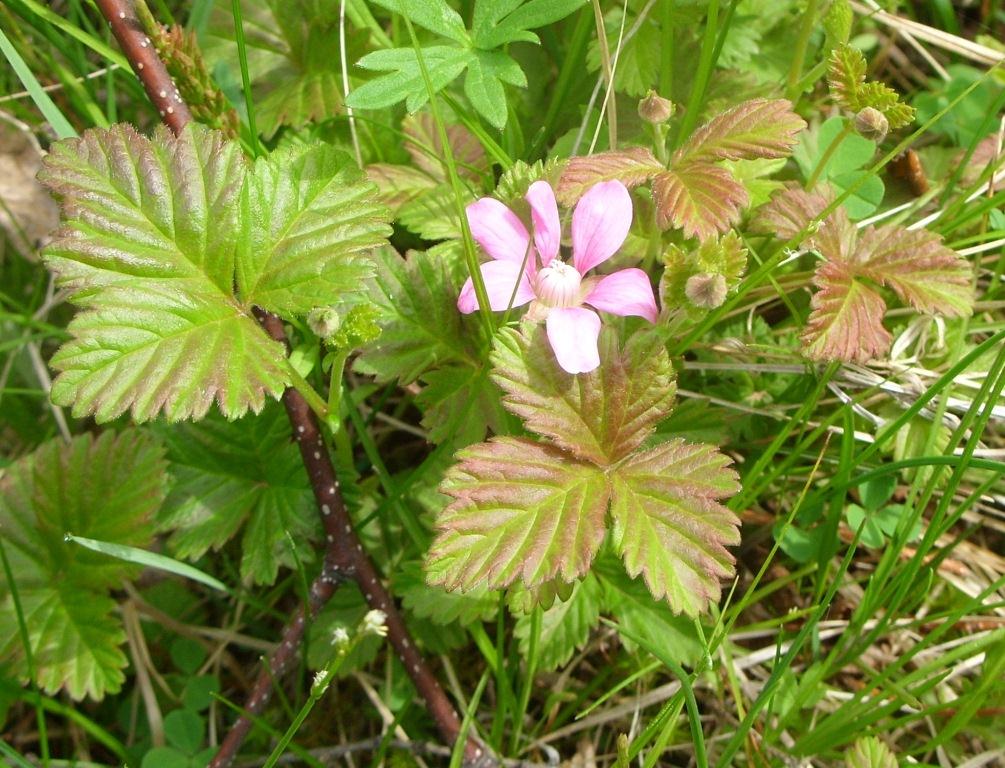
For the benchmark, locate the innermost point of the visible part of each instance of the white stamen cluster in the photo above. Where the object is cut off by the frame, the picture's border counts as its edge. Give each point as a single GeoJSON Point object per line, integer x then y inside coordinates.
{"type": "Point", "coordinates": [558, 285]}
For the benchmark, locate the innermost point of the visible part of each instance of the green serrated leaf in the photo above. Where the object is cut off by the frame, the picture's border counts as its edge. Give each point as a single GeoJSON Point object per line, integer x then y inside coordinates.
{"type": "Point", "coordinates": [309, 217]}
{"type": "Point", "coordinates": [147, 248]}
{"type": "Point", "coordinates": [565, 626]}
{"type": "Point", "coordinates": [108, 488]}
{"type": "Point", "coordinates": [417, 298]}
{"type": "Point", "coordinates": [760, 128]}
{"type": "Point", "coordinates": [483, 84]}
{"type": "Point", "coordinates": [600, 417]}
{"type": "Point", "coordinates": [669, 525]}
{"type": "Point", "coordinates": [502, 25]}
{"type": "Point", "coordinates": [459, 403]}
{"type": "Point", "coordinates": [233, 475]}
{"type": "Point", "coordinates": [520, 510]}
{"type": "Point", "coordinates": [701, 199]}
{"type": "Point", "coordinates": [438, 605]}
{"type": "Point", "coordinates": [630, 602]}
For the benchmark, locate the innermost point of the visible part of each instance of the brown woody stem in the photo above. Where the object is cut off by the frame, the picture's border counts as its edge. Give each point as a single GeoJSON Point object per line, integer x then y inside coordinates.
{"type": "Point", "coordinates": [344, 557]}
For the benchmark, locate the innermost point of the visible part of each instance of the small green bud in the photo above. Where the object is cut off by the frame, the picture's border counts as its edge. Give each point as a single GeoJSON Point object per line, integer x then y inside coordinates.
{"type": "Point", "coordinates": [324, 322]}
{"type": "Point", "coordinates": [871, 124]}
{"type": "Point", "coordinates": [655, 109]}
{"type": "Point", "coordinates": [705, 290]}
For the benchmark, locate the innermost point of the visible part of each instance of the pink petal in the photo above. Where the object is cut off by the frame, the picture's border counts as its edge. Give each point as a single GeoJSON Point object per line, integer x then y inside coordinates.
{"type": "Point", "coordinates": [500, 278]}
{"type": "Point", "coordinates": [600, 224]}
{"type": "Point", "coordinates": [498, 230]}
{"type": "Point", "coordinates": [626, 292]}
{"type": "Point", "coordinates": [544, 212]}
{"type": "Point", "coordinates": [573, 333]}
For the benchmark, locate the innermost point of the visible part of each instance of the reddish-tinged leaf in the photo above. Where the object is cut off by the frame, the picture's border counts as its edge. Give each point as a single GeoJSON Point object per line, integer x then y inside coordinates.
{"type": "Point", "coordinates": [669, 525]}
{"type": "Point", "coordinates": [631, 167]}
{"type": "Point", "coordinates": [925, 273]}
{"type": "Point", "coordinates": [757, 128]}
{"type": "Point", "coordinates": [701, 199]}
{"type": "Point", "coordinates": [520, 510]}
{"type": "Point", "coordinates": [847, 318]}
{"type": "Point", "coordinates": [788, 213]}
{"type": "Point", "coordinates": [601, 416]}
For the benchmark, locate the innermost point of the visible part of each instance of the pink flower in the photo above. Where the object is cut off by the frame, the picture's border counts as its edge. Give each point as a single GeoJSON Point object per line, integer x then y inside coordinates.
{"type": "Point", "coordinates": [521, 272]}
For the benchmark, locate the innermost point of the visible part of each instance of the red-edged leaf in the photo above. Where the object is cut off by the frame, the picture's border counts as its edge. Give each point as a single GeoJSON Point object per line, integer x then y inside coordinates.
{"type": "Point", "coordinates": [925, 273]}
{"type": "Point", "coordinates": [699, 198]}
{"type": "Point", "coordinates": [790, 211]}
{"type": "Point", "coordinates": [847, 318]}
{"type": "Point", "coordinates": [669, 525]}
{"type": "Point", "coordinates": [631, 167]}
{"type": "Point", "coordinates": [757, 128]}
{"type": "Point", "coordinates": [520, 510]}
{"type": "Point", "coordinates": [601, 416]}
{"type": "Point", "coordinates": [398, 184]}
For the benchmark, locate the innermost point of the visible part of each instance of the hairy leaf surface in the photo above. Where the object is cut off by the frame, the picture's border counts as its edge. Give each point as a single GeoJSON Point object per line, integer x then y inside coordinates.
{"type": "Point", "coordinates": [520, 510]}
{"type": "Point", "coordinates": [230, 476]}
{"type": "Point", "coordinates": [701, 199]}
{"type": "Point", "coordinates": [632, 166]}
{"type": "Point", "coordinates": [309, 216]}
{"type": "Point", "coordinates": [108, 489]}
{"type": "Point", "coordinates": [601, 416]}
{"type": "Point", "coordinates": [757, 128]}
{"type": "Point", "coordinates": [846, 322]}
{"type": "Point", "coordinates": [669, 525]}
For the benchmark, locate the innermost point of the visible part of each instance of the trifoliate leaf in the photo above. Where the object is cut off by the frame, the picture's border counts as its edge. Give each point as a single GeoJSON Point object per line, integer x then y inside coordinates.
{"type": "Point", "coordinates": [520, 510]}
{"type": "Point", "coordinates": [846, 322]}
{"type": "Point", "coordinates": [310, 217]}
{"type": "Point", "coordinates": [915, 263]}
{"type": "Point", "coordinates": [699, 198]}
{"type": "Point", "coordinates": [564, 627]}
{"type": "Point", "coordinates": [869, 752]}
{"type": "Point", "coordinates": [669, 526]}
{"type": "Point", "coordinates": [108, 489]}
{"type": "Point", "coordinates": [230, 476]}
{"type": "Point", "coordinates": [148, 248]}
{"type": "Point", "coordinates": [631, 167]}
{"type": "Point", "coordinates": [758, 128]}
{"type": "Point", "coordinates": [154, 238]}
{"type": "Point", "coordinates": [601, 416]}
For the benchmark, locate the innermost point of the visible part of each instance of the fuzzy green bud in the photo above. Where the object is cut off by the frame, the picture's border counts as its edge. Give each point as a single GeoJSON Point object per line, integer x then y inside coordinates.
{"type": "Point", "coordinates": [655, 109]}
{"type": "Point", "coordinates": [324, 322]}
{"type": "Point", "coordinates": [871, 124]}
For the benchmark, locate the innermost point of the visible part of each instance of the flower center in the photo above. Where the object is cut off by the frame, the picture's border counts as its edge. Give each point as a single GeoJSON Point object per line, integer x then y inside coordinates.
{"type": "Point", "coordinates": [558, 285]}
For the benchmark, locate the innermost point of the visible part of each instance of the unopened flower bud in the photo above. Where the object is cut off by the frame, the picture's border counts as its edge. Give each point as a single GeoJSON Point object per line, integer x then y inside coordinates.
{"type": "Point", "coordinates": [705, 290]}
{"type": "Point", "coordinates": [871, 124]}
{"type": "Point", "coordinates": [655, 109]}
{"type": "Point", "coordinates": [374, 623]}
{"type": "Point", "coordinates": [323, 321]}
{"type": "Point", "coordinates": [340, 637]}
